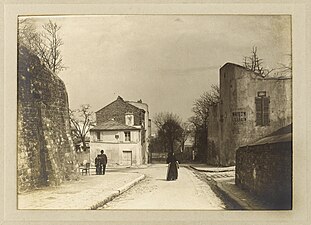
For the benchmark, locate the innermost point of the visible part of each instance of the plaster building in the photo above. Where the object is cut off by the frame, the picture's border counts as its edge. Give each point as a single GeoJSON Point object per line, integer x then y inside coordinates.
{"type": "Point", "coordinates": [187, 151]}
{"type": "Point", "coordinates": [250, 108]}
{"type": "Point", "coordinates": [122, 132]}
{"type": "Point", "coordinates": [147, 125]}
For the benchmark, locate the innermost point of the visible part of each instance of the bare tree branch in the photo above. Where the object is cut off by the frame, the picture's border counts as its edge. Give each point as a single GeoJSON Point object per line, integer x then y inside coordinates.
{"type": "Point", "coordinates": [254, 63]}
{"type": "Point", "coordinates": [82, 119]}
{"type": "Point", "coordinates": [46, 44]}
{"type": "Point", "coordinates": [201, 110]}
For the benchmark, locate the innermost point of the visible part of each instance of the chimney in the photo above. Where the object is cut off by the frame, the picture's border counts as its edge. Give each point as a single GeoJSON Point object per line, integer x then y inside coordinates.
{"type": "Point", "coordinates": [120, 98]}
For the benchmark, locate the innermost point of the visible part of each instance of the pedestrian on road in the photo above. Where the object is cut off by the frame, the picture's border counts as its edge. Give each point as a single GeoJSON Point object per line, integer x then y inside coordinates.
{"type": "Point", "coordinates": [173, 165]}
{"type": "Point", "coordinates": [97, 165]}
{"type": "Point", "coordinates": [102, 162]}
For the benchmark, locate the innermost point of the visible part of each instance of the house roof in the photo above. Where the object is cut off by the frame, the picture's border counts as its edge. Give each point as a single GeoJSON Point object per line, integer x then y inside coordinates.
{"type": "Point", "coordinates": [119, 98]}
{"type": "Point", "coordinates": [113, 125]}
{"type": "Point", "coordinates": [281, 135]}
{"type": "Point", "coordinates": [258, 75]}
{"type": "Point", "coordinates": [233, 64]}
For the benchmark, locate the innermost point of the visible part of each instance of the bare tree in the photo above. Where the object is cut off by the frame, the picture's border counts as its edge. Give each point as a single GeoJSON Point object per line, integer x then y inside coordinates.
{"type": "Point", "coordinates": [49, 48]}
{"type": "Point", "coordinates": [157, 144]}
{"type": "Point", "coordinates": [202, 104]}
{"type": "Point", "coordinates": [255, 64]}
{"type": "Point", "coordinates": [27, 34]}
{"type": "Point", "coordinates": [200, 119]}
{"type": "Point", "coordinates": [82, 119]}
{"type": "Point", "coordinates": [46, 44]}
{"type": "Point", "coordinates": [169, 129]}
{"type": "Point", "coordinates": [284, 69]}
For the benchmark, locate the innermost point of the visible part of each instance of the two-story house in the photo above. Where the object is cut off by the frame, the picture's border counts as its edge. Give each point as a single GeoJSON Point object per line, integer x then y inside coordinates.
{"type": "Point", "coordinates": [121, 132]}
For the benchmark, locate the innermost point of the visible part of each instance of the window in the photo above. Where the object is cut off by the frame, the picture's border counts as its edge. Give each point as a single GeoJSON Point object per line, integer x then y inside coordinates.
{"type": "Point", "coordinates": [98, 135]}
{"type": "Point", "coordinates": [221, 119]}
{"type": "Point", "coordinates": [262, 109]}
{"type": "Point", "coordinates": [127, 135]}
{"type": "Point", "coordinates": [143, 136]}
{"type": "Point", "coordinates": [239, 116]}
{"type": "Point", "coordinates": [129, 119]}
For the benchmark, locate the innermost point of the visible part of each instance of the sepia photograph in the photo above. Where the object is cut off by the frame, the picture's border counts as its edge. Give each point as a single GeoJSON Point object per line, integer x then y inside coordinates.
{"type": "Point", "coordinates": [154, 112]}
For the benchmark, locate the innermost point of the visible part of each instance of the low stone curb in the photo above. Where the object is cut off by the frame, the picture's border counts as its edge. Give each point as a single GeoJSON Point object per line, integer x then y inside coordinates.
{"type": "Point", "coordinates": [219, 188]}
{"type": "Point", "coordinates": [246, 202]}
{"type": "Point", "coordinates": [239, 204]}
{"type": "Point", "coordinates": [211, 170]}
{"type": "Point", "coordinates": [131, 184]}
{"type": "Point", "coordinates": [117, 192]}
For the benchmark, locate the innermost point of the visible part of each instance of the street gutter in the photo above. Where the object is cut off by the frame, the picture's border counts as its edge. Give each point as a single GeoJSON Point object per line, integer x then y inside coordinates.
{"type": "Point", "coordinates": [235, 204]}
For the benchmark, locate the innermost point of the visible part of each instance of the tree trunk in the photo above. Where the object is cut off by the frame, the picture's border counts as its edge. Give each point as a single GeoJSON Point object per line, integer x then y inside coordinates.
{"type": "Point", "coordinates": [172, 147]}
{"type": "Point", "coordinates": [204, 153]}
{"type": "Point", "coordinates": [83, 143]}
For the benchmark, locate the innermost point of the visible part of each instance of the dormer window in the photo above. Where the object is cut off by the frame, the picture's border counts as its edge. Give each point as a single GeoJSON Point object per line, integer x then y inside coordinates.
{"type": "Point", "coordinates": [129, 119]}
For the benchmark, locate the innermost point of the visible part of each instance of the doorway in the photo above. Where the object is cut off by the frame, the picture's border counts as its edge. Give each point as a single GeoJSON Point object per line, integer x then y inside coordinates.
{"type": "Point", "coordinates": [127, 158]}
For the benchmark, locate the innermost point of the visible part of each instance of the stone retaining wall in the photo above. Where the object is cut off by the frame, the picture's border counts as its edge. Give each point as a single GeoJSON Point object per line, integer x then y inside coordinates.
{"type": "Point", "coordinates": [266, 171]}
{"type": "Point", "coordinates": [45, 149]}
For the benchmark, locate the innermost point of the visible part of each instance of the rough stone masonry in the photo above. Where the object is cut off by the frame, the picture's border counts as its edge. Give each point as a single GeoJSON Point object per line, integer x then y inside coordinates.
{"type": "Point", "coordinates": [45, 151]}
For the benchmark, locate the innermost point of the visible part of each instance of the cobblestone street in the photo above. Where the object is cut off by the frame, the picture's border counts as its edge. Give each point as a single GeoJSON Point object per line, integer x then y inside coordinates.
{"type": "Point", "coordinates": [187, 192]}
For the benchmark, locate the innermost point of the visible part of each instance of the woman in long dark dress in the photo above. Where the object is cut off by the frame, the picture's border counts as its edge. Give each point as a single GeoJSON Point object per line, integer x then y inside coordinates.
{"type": "Point", "coordinates": [172, 170]}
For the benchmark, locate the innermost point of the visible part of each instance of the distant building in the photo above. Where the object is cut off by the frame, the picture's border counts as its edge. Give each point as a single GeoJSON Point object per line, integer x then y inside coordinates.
{"type": "Point", "coordinates": [187, 151]}
{"type": "Point", "coordinates": [250, 108]}
{"type": "Point", "coordinates": [122, 133]}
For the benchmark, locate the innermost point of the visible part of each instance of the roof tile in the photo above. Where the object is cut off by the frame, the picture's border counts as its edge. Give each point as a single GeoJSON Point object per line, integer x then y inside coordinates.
{"type": "Point", "coordinates": [113, 125]}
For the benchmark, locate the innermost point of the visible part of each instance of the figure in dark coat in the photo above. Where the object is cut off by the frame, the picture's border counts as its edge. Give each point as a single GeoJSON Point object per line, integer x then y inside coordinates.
{"type": "Point", "coordinates": [172, 170]}
{"type": "Point", "coordinates": [102, 158]}
{"type": "Point", "coordinates": [97, 165]}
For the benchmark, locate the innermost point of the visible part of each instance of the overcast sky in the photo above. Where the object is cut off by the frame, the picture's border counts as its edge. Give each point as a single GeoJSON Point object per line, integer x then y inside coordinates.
{"type": "Point", "coordinates": [166, 60]}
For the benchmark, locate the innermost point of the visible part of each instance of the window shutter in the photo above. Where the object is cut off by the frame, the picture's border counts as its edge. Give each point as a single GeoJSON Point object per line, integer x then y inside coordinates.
{"type": "Point", "coordinates": [266, 104]}
{"type": "Point", "coordinates": [258, 111]}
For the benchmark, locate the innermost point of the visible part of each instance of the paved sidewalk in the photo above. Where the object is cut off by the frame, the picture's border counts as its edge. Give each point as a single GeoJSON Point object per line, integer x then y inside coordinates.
{"type": "Point", "coordinates": [90, 192]}
{"type": "Point", "coordinates": [212, 169]}
{"type": "Point", "coordinates": [224, 180]}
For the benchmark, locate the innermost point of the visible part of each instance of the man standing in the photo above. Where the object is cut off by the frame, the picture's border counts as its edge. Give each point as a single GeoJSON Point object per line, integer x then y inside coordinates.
{"type": "Point", "coordinates": [103, 162]}
{"type": "Point", "coordinates": [97, 165]}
